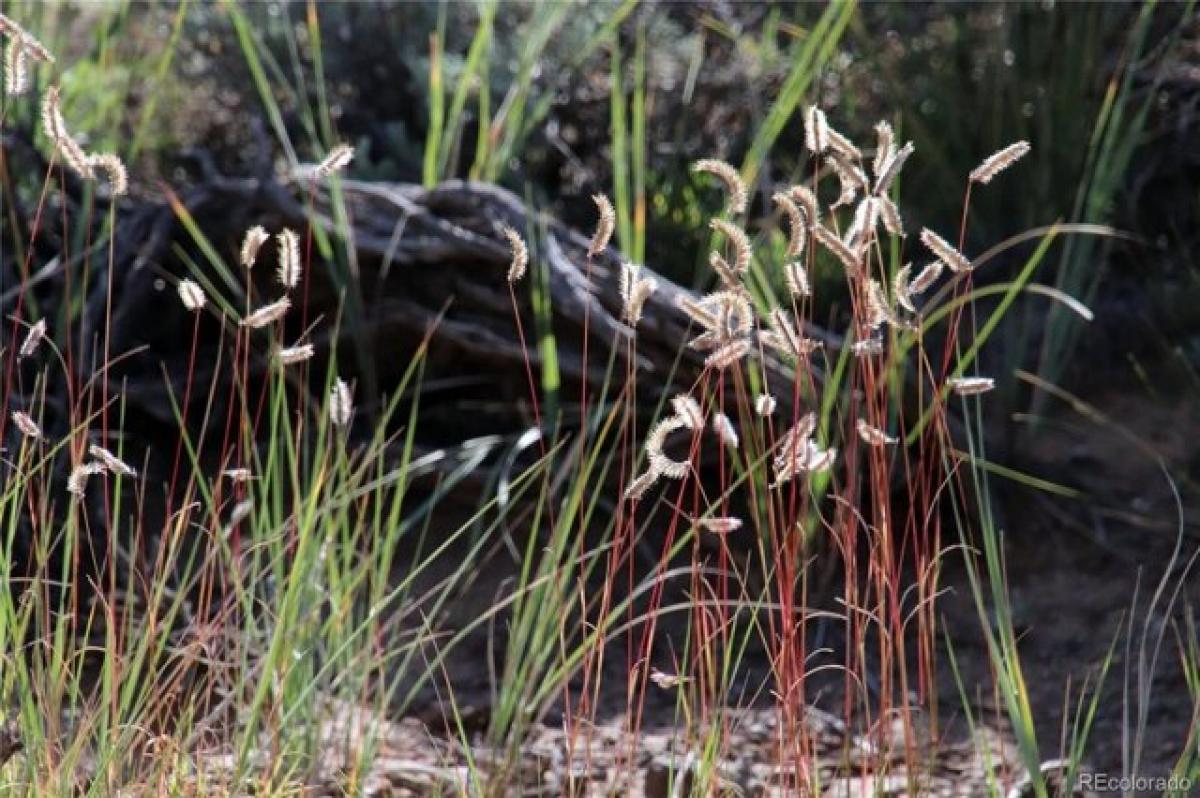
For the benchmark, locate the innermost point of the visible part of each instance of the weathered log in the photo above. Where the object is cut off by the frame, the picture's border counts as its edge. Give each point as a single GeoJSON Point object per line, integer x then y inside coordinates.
{"type": "Point", "coordinates": [426, 264]}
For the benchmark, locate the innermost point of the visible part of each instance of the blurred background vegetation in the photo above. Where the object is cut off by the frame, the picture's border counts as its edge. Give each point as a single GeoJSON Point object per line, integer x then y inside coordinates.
{"type": "Point", "coordinates": [559, 101]}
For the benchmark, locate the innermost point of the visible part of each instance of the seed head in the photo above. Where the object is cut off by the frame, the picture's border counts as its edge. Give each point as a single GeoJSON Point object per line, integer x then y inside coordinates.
{"type": "Point", "coordinates": [889, 214]}
{"type": "Point", "coordinates": [77, 481]}
{"type": "Point", "coordinates": [111, 463]}
{"type": "Point", "coordinates": [927, 277]}
{"type": "Point", "coordinates": [851, 179]}
{"type": "Point", "coordinates": [638, 487]}
{"type": "Point", "coordinates": [970, 386]}
{"type": "Point", "coordinates": [338, 159]}
{"type": "Point", "coordinates": [728, 175]}
{"type": "Point", "coordinates": [947, 254]}
{"type": "Point", "coordinates": [114, 169]}
{"type": "Point", "coordinates": [520, 254]}
{"type": "Point", "coordinates": [785, 338]}
{"type": "Point", "coordinates": [742, 250]}
{"type": "Point", "coordinates": [866, 217]}
{"type": "Point", "coordinates": [688, 411]}
{"type": "Point", "coordinates": [656, 440]}
{"type": "Point", "coordinates": [721, 525]}
{"type": "Point", "coordinates": [291, 355]}
{"type": "Point", "coordinates": [267, 314]}
{"type": "Point", "coordinates": [56, 128]}
{"type": "Point", "coordinates": [290, 269]}
{"type": "Point", "coordinates": [835, 245]}
{"type": "Point", "coordinates": [16, 68]}
{"type": "Point", "coordinates": [26, 425]}
{"type": "Point", "coordinates": [797, 224]}
{"type": "Point", "coordinates": [341, 403]}
{"type": "Point", "coordinates": [890, 168]}
{"type": "Point", "coordinates": [997, 162]}
{"type": "Point", "coordinates": [901, 290]}
{"type": "Point", "coordinates": [872, 436]}
{"type": "Point", "coordinates": [15, 33]}
{"type": "Point", "coordinates": [797, 278]}
{"type": "Point", "coordinates": [723, 428]}
{"type": "Point", "coordinates": [192, 295]}
{"type": "Point", "coordinates": [605, 225]}
{"type": "Point", "coordinates": [666, 681]}
{"type": "Point", "coordinates": [764, 404]}
{"type": "Point", "coordinates": [816, 130]}
{"type": "Point", "coordinates": [842, 145]}
{"type": "Point", "coordinates": [807, 200]}
{"type": "Point", "coordinates": [877, 307]}
{"type": "Point", "coordinates": [256, 236]}
{"type": "Point", "coordinates": [697, 312]}
{"type": "Point", "coordinates": [33, 339]}
{"type": "Point", "coordinates": [885, 147]}
{"type": "Point", "coordinates": [867, 347]}
{"type": "Point", "coordinates": [727, 355]}
{"type": "Point", "coordinates": [237, 475]}
{"type": "Point", "coordinates": [635, 291]}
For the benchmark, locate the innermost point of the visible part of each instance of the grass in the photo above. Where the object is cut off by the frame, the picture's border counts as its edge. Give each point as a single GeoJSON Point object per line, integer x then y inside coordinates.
{"type": "Point", "coordinates": [203, 633]}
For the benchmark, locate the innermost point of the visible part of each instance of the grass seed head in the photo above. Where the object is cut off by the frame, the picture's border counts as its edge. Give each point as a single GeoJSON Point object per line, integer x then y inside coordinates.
{"type": "Point", "coordinates": [734, 187]}
{"type": "Point", "coordinates": [16, 68]}
{"type": "Point", "coordinates": [26, 425]}
{"type": "Point", "coordinates": [56, 128]}
{"type": "Point", "coordinates": [838, 248]}
{"type": "Point", "coordinates": [997, 162]}
{"type": "Point", "coordinates": [341, 403]}
{"type": "Point", "coordinates": [638, 487]}
{"type": "Point", "coordinates": [267, 314]}
{"type": "Point", "coordinates": [850, 178]}
{"type": "Point", "coordinates": [77, 481]}
{"type": "Point", "coordinates": [804, 197]}
{"type": "Point", "coordinates": [877, 305]}
{"type": "Point", "coordinates": [635, 290]}
{"type": "Point", "coordinates": [816, 130]}
{"type": "Point", "coordinates": [729, 354]}
{"type": "Point", "coordinates": [926, 278]}
{"type": "Point", "coordinates": [292, 355]}
{"type": "Point", "coordinates": [688, 410]}
{"type": "Point", "coordinates": [900, 288]}
{"type": "Point", "coordinates": [338, 159]}
{"type": "Point", "coordinates": [114, 169]}
{"type": "Point", "coordinates": [872, 436]}
{"type": "Point", "coordinates": [885, 147]}
{"type": "Point", "coordinates": [33, 339]}
{"type": "Point", "coordinates": [796, 276]}
{"type": "Point", "coordinates": [191, 295]}
{"type": "Point", "coordinates": [947, 254]}
{"type": "Point", "coordinates": [889, 214]}
{"type": "Point", "coordinates": [290, 268]}
{"type": "Point", "coordinates": [722, 525]}
{"type": "Point", "coordinates": [605, 224]}
{"type": "Point", "coordinates": [867, 347]}
{"type": "Point", "coordinates": [724, 430]}
{"type": "Point", "coordinates": [111, 463]}
{"type": "Point", "coordinates": [256, 236]}
{"type": "Point", "coordinates": [891, 168]}
{"type": "Point", "coordinates": [27, 41]}
{"type": "Point", "coordinates": [519, 261]}
{"type": "Point", "coordinates": [971, 386]}
{"type": "Point", "coordinates": [742, 250]}
{"type": "Point", "coordinates": [797, 224]}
